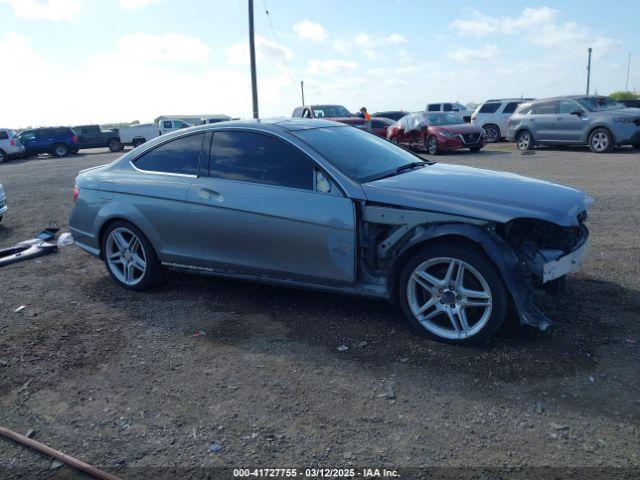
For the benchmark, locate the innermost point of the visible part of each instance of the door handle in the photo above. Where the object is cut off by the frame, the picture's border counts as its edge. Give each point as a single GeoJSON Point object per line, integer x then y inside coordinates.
{"type": "Point", "coordinates": [560, 119]}
{"type": "Point", "coordinates": [208, 194]}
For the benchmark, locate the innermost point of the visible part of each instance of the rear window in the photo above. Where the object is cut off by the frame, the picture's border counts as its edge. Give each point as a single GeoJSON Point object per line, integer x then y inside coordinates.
{"type": "Point", "coordinates": [4, 135]}
{"type": "Point", "coordinates": [511, 107]}
{"type": "Point", "coordinates": [489, 108]}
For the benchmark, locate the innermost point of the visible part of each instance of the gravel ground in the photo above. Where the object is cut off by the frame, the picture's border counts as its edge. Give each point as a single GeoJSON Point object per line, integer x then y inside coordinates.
{"type": "Point", "coordinates": [118, 379]}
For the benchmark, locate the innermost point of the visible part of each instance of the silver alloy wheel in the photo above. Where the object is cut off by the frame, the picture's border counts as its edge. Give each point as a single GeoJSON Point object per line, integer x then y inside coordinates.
{"type": "Point", "coordinates": [61, 150]}
{"type": "Point", "coordinates": [491, 134]}
{"type": "Point", "coordinates": [600, 141]}
{"type": "Point", "coordinates": [125, 256]}
{"type": "Point", "coordinates": [524, 140]}
{"type": "Point", "coordinates": [453, 305]}
{"type": "Point", "coordinates": [433, 145]}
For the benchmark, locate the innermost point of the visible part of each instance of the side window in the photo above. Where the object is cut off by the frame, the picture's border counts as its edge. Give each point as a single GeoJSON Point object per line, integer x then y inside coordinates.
{"type": "Point", "coordinates": [177, 156]}
{"type": "Point", "coordinates": [434, 107]}
{"type": "Point", "coordinates": [27, 136]}
{"type": "Point", "coordinates": [447, 107]}
{"type": "Point", "coordinates": [256, 158]}
{"type": "Point", "coordinates": [545, 108]}
{"type": "Point", "coordinates": [511, 107]}
{"type": "Point", "coordinates": [489, 107]}
{"type": "Point", "coordinates": [567, 106]}
{"type": "Point", "coordinates": [167, 124]}
{"type": "Point", "coordinates": [4, 135]}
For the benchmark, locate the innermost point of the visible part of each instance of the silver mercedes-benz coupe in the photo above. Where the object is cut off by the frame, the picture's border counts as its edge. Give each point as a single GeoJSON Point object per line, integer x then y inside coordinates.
{"type": "Point", "coordinates": [317, 204]}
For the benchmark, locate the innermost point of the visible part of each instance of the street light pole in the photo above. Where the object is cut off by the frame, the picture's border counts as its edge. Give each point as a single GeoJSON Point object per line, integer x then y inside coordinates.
{"type": "Point", "coordinates": [252, 49]}
{"type": "Point", "coordinates": [589, 71]}
{"type": "Point", "coordinates": [626, 85]}
{"type": "Point", "coordinates": [302, 90]}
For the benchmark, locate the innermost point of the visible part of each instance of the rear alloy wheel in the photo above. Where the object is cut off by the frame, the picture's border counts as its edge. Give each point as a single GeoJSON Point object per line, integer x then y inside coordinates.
{"type": "Point", "coordinates": [432, 146]}
{"type": "Point", "coordinates": [492, 132]}
{"type": "Point", "coordinates": [524, 140]}
{"type": "Point", "coordinates": [130, 258]}
{"type": "Point", "coordinates": [115, 145]}
{"type": "Point", "coordinates": [454, 294]}
{"type": "Point", "coordinates": [60, 150]}
{"type": "Point", "coordinates": [600, 141]}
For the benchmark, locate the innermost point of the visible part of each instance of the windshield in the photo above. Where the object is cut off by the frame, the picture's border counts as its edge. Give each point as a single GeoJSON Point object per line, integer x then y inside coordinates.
{"type": "Point", "coordinates": [443, 119]}
{"type": "Point", "coordinates": [330, 111]}
{"type": "Point", "coordinates": [600, 103]}
{"type": "Point", "coordinates": [358, 154]}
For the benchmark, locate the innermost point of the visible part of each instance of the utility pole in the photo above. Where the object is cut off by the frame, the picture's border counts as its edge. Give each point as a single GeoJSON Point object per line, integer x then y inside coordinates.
{"type": "Point", "coordinates": [302, 90]}
{"type": "Point", "coordinates": [626, 85]}
{"type": "Point", "coordinates": [252, 49]}
{"type": "Point", "coordinates": [589, 71]}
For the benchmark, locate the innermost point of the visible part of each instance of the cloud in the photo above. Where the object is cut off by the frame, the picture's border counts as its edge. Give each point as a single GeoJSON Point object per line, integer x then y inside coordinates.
{"type": "Point", "coordinates": [538, 26]}
{"type": "Point", "coordinates": [169, 47]}
{"type": "Point", "coordinates": [310, 31]}
{"type": "Point", "coordinates": [135, 4]}
{"type": "Point", "coordinates": [52, 10]}
{"type": "Point", "coordinates": [328, 67]}
{"type": "Point", "coordinates": [463, 54]}
{"type": "Point", "coordinates": [238, 53]}
{"type": "Point", "coordinates": [395, 39]}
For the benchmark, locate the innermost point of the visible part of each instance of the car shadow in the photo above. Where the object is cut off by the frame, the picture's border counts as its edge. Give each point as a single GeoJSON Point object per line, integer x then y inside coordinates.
{"type": "Point", "coordinates": [623, 150]}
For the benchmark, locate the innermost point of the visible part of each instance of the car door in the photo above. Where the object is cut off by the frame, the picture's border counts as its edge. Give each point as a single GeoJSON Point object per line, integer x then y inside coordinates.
{"type": "Point", "coordinates": [542, 121]}
{"type": "Point", "coordinates": [258, 211]}
{"type": "Point", "coordinates": [570, 122]}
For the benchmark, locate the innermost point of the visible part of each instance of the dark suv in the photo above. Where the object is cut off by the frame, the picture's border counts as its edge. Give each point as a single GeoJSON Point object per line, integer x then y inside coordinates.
{"type": "Point", "coordinates": [58, 141]}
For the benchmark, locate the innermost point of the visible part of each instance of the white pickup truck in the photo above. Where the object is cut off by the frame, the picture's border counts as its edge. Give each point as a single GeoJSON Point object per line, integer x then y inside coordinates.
{"type": "Point", "coordinates": [138, 134]}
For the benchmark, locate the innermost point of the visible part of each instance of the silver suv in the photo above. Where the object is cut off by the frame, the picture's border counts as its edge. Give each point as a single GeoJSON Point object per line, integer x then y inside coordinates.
{"type": "Point", "coordinates": [598, 122]}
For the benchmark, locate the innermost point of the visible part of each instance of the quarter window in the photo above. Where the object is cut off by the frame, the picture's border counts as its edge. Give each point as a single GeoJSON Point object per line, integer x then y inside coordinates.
{"type": "Point", "coordinates": [257, 158]}
{"type": "Point", "coordinates": [489, 107]}
{"type": "Point", "coordinates": [177, 156]}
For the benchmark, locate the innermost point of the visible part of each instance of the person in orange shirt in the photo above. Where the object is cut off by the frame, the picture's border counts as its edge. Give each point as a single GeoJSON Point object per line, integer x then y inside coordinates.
{"type": "Point", "coordinates": [364, 114]}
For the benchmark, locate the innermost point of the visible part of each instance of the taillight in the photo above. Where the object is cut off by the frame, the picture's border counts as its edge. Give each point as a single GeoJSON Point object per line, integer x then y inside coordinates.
{"type": "Point", "coordinates": [474, 116]}
{"type": "Point", "coordinates": [13, 142]}
{"type": "Point", "coordinates": [74, 139]}
{"type": "Point", "coordinates": [76, 193]}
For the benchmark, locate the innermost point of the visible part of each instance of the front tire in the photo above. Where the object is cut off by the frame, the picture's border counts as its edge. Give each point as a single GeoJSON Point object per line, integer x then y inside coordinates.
{"type": "Point", "coordinates": [524, 141]}
{"type": "Point", "coordinates": [60, 150]}
{"type": "Point", "coordinates": [432, 146]}
{"type": "Point", "coordinates": [130, 258]}
{"type": "Point", "coordinates": [601, 141]}
{"type": "Point", "coordinates": [453, 293]}
{"type": "Point", "coordinates": [492, 133]}
{"type": "Point", "coordinates": [475, 149]}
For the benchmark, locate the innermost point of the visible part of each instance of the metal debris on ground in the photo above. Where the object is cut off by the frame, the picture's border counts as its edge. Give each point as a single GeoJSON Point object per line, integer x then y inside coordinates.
{"type": "Point", "coordinates": [215, 448]}
{"type": "Point", "coordinates": [19, 309]}
{"type": "Point", "coordinates": [30, 249]}
{"type": "Point", "coordinates": [343, 348]}
{"type": "Point", "coordinates": [200, 333]}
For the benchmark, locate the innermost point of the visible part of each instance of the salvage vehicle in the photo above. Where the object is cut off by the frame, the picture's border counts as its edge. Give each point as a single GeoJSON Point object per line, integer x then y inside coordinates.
{"type": "Point", "coordinates": [92, 136]}
{"type": "Point", "coordinates": [436, 133]}
{"type": "Point", "coordinates": [136, 135]}
{"type": "Point", "coordinates": [56, 141]}
{"type": "Point", "coordinates": [599, 122]}
{"type": "Point", "coordinates": [319, 205]}
{"type": "Point", "coordinates": [3, 202]}
{"type": "Point", "coordinates": [335, 113]}
{"type": "Point", "coordinates": [10, 145]}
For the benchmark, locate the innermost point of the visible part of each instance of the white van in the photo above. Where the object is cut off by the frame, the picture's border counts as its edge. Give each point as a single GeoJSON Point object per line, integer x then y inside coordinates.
{"type": "Point", "coordinates": [138, 134]}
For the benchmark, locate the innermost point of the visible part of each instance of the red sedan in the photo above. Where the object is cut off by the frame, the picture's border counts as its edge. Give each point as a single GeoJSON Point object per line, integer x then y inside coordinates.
{"type": "Point", "coordinates": [435, 133]}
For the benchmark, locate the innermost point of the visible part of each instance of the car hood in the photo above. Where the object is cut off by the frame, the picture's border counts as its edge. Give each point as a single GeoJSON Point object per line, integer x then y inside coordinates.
{"type": "Point", "coordinates": [477, 193]}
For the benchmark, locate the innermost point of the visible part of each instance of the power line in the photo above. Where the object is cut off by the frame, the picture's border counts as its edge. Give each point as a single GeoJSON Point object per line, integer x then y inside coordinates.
{"type": "Point", "coordinates": [275, 38]}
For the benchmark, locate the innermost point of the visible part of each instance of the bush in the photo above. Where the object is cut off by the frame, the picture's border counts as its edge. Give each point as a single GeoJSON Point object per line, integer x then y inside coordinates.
{"type": "Point", "coordinates": [618, 96]}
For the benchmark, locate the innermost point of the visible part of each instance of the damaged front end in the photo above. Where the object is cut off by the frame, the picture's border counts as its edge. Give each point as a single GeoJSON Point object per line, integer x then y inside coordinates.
{"type": "Point", "coordinates": [529, 253]}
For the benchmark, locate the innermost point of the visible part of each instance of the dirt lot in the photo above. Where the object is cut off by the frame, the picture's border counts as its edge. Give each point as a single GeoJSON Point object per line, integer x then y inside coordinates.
{"type": "Point", "coordinates": [119, 380]}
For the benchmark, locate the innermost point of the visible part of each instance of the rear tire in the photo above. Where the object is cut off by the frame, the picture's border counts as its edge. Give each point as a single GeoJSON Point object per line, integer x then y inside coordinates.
{"type": "Point", "coordinates": [129, 257]}
{"type": "Point", "coordinates": [452, 307]}
{"type": "Point", "coordinates": [432, 145]}
{"type": "Point", "coordinates": [475, 149]}
{"type": "Point", "coordinates": [492, 132]}
{"type": "Point", "coordinates": [60, 150]}
{"type": "Point", "coordinates": [524, 141]}
{"type": "Point", "coordinates": [601, 141]}
{"type": "Point", "coordinates": [115, 145]}
{"type": "Point", "coordinates": [3, 156]}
